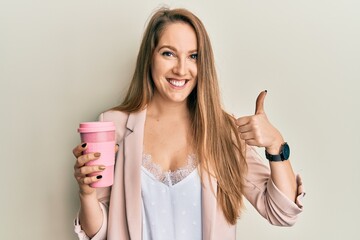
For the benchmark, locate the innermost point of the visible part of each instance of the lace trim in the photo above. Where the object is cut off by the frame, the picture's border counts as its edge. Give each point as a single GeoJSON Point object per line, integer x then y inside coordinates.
{"type": "Point", "coordinates": [169, 178]}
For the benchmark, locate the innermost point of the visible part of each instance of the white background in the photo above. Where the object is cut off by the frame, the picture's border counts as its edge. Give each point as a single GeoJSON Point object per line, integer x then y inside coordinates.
{"type": "Point", "coordinates": [63, 62]}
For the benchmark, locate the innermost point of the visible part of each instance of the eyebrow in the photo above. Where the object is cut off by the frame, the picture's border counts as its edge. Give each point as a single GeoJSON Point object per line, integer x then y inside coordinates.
{"type": "Point", "coordinates": [174, 49]}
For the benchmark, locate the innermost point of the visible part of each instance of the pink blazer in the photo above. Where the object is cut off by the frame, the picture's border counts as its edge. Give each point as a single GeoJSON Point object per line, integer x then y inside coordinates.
{"type": "Point", "coordinates": [121, 204]}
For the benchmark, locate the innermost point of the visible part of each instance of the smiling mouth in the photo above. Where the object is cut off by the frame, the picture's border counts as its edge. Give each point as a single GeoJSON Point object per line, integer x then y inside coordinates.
{"type": "Point", "coordinates": [177, 83]}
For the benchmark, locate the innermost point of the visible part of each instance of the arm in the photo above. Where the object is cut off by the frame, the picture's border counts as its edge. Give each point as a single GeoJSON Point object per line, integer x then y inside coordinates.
{"type": "Point", "coordinates": [256, 130]}
{"type": "Point", "coordinates": [94, 210]}
{"type": "Point", "coordinates": [272, 191]}
{"type": "Point", "coordinates": [262, 192]}
{"type": "Point", "coordinates": [282, 173]}
{"type": "Point", "coordinates": [92, 214]}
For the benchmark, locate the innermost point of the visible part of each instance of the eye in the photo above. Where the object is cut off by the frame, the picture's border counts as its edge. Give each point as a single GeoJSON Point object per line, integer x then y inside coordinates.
{"type": "Point", "coordinates": [167, 54]}
{"type": "Point", "coordinates": [194, 56]}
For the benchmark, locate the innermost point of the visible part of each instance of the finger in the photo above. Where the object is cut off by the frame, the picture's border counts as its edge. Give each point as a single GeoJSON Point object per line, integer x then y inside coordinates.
{"type": "Point", "coordinates": [83, 159]}
{"type": "Point", "coordinates": [247, 136]}
{"type": "Point", "coordinates": [251, 142]}
{"type": "Point", "coordinates": [77, 151]}
{"type": "Point", "coordinates": [89, 180]}
{"type": "Point", "coordinates": [259, 108]}
{"type": "Point", "coordinates": [83, 171]}
{"type": "Point", "coordinates": [245, 128]}
{"type": "Point", "coordinates": [243, 121]}
{"type": "Point", "coordinates": [116, 148]}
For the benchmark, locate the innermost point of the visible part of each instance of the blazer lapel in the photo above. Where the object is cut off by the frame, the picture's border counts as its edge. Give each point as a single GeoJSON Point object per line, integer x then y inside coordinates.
{"type": "Point", "coordinates": [209, 205]}
{"type": "Point", "coordinates": [133, 145]}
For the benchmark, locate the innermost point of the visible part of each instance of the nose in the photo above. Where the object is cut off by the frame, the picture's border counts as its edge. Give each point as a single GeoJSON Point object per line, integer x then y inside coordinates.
{"type": "Point", "coordinates": [180, 68]}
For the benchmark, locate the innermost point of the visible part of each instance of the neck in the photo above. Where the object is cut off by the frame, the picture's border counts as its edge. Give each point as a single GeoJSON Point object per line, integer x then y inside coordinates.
{"type": "Point", "coordinates": [160, 108]}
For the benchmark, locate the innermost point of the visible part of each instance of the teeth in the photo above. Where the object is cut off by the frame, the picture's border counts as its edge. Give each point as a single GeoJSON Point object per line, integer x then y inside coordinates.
{"type": "Point", "coordinates": [177, 83]}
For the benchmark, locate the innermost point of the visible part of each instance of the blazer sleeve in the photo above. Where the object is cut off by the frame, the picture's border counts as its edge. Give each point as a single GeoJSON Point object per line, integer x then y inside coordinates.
{"type": "Point", "coordinates": [267, 199]}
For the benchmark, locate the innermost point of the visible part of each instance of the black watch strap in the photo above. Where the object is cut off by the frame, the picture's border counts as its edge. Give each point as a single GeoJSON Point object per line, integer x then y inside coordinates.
{"type": "Point", "coordinates": [282, 156]}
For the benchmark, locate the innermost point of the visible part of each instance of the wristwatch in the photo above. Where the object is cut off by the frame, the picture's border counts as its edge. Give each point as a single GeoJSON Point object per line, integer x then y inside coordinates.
{"type": "Point", "coordinates": [283, 155]}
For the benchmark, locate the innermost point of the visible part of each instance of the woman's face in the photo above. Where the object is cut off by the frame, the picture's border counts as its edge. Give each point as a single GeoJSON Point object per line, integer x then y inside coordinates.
{"type": "Point", "coordinates": [174, 67]}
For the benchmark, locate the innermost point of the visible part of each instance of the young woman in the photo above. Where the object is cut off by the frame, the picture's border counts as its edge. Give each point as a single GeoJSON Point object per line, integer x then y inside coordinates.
{"type": "Point", "coordinates": [183, 164]}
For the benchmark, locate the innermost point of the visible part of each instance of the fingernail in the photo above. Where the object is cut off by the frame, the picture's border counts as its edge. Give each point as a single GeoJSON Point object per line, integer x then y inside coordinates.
{"type": "Point", "coordinates": [102, 168]}
{"type": "Point", "coordinates": [83, 145]}
{"type": "Point", "coordinates": [117, 145]}
{"type": "Point", "coordinates": [99, 177]}
{"type": "Point", "coordinates": [97, 154]}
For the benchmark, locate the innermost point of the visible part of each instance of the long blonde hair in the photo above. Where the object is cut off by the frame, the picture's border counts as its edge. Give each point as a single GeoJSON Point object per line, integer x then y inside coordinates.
{"type": "Point", "coordinates": [220, 151]}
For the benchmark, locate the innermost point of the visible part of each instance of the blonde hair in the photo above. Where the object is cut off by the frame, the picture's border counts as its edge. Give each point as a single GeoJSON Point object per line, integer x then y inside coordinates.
{"type": "Point", "coordinates": [219, 148]}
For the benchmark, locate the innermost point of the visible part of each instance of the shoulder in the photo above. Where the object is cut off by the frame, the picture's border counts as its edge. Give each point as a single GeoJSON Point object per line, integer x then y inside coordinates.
{"type": "Point", "coordinates": [119, 118]}
{"type": "Point", "coordinates": [114, 116]}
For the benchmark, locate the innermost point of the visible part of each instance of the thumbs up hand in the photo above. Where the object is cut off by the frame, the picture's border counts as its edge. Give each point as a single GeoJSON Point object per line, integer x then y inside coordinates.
{"type": "Point", "coordinates": [256, 130]}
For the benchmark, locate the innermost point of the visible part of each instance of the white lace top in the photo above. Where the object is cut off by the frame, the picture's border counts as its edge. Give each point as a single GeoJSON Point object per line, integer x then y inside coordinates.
{"type": "Point", "coordinates": [171, 206]}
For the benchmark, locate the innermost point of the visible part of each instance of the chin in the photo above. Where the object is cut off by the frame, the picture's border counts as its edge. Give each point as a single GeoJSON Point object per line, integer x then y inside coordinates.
{"type": "Point", "coordinates": [179, 99]}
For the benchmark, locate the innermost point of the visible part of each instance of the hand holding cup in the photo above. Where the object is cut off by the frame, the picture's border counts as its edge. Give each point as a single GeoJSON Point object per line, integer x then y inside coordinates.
{"type": "Point", "coordinates": [96, 156]}
{"type": "Point", "coordinates": [82, 172]}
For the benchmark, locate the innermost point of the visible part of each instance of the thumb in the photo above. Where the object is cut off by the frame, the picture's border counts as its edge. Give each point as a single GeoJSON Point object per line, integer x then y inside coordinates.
{"type": "Point", "coordinates": [260, 103]}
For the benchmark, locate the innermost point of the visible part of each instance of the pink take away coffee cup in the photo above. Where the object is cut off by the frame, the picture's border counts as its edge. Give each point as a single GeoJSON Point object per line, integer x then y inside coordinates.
{"type": "Point", "coordinates": [100, 137]}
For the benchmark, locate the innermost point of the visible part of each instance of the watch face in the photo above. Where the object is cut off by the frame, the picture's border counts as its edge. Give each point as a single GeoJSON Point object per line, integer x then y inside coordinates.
{"type": "Point", "coordinates": [286, 151]}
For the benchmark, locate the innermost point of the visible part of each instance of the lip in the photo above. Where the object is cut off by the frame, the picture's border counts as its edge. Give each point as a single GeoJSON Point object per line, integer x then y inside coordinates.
{"type": "Point", "coordinates": [177, 80]}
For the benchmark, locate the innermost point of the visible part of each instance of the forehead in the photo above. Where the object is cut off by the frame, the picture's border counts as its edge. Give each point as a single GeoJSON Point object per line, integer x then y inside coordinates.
{"type": "Point", "coordinates": [179, 35]}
